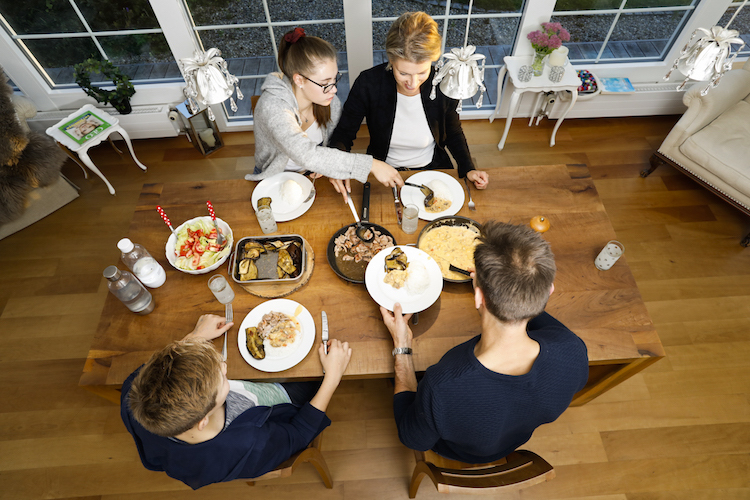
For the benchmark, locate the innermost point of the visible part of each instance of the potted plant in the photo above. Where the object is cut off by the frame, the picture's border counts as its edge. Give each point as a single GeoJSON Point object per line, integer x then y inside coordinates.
{"type": "Point", "coordinates": [544, 41]}
{"type": "Point", "coordinates": [119, 97]}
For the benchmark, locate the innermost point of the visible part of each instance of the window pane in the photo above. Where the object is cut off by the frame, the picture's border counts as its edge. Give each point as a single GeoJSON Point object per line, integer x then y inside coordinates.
{"type": "Point", "coordinates": [586, 34]}
{"type": "Point", "coordinates": [565, 5]}
{"type": "Point", "coordinates": [215, 12]}
{"type": "Point", "coordinates": [387, 8]}
{"type": "Point", "coordinates": [136, 49]}
{"type": "Point", "coordinates": [629, 39]}
{"type": "Point", "coordinates": [497, 6]}
{"type": "Point", "coordinates": [58, 55]}
{"type": "Point", "coordinates": [40, 16]}
{"type": "Point", "coordinates": [111, 15]}
{"type": "Point", "coordinates": [380, 32]}
{"type": "Point", "coordinates": [239, 42]}
{"type": "Point", "coordinates": [286, 10]}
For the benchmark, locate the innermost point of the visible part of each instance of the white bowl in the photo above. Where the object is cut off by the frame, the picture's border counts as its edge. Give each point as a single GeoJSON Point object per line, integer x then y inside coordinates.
{"type": "Point", "coordinates": [169, 249]}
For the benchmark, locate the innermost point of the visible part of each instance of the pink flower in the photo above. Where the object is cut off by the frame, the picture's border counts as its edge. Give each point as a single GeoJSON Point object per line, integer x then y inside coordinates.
{"type": "Point", "coordinates": [550, 37]}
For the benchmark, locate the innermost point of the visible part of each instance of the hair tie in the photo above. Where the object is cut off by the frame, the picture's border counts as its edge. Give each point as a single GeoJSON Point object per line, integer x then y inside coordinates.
{"type": "Point", "coordinates": [294, 36]}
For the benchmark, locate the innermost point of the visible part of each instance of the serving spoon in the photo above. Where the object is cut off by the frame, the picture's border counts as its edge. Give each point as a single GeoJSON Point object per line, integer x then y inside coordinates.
{"type": "Point", "coordinates": [429, 194]}
{"type": "Point", "coordinates": [361, 230]}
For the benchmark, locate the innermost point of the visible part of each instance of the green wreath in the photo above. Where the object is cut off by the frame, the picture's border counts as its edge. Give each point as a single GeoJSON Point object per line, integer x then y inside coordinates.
{"type": "Point", "coordinates": [124, 90]}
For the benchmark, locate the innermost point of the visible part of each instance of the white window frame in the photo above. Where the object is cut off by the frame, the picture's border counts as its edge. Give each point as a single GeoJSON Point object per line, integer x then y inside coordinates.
{"type": "Point", "coordinates": [177, 28]}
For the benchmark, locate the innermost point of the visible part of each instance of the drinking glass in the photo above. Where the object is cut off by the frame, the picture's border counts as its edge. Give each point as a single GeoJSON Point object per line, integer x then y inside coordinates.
{"type": "Point", "coordinates": [221, 289]}
{"type": "Point", "coordinates": [410, 219]}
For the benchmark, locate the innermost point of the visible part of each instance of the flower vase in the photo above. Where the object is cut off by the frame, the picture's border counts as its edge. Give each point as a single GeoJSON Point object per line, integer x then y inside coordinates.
{"type": "Point", "coordinates": [538, 64]}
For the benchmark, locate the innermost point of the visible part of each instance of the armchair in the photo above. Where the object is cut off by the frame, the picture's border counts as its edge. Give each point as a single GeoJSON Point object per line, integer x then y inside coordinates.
{"type": "Point", "coordinates": [711, 142]}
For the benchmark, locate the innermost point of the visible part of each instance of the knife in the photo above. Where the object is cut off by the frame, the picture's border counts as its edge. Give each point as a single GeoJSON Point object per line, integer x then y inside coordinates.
{"type": "Point", "coordinates": [397, 204]}
{"type": "Point", "coordinates": [324, 334]}
{"type": "Point", "coordinates": [229, 315]}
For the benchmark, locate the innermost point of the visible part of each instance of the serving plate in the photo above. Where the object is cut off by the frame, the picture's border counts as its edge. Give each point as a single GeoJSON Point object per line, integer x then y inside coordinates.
{"type": "Point", "coordinates": [413, 196]}
{"type": "Point", "coordinates": [271, 187]}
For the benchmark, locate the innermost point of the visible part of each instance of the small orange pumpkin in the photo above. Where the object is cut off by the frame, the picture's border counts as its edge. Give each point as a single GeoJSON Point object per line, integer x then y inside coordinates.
{"type": "Point", "coordinates": [539, 223]}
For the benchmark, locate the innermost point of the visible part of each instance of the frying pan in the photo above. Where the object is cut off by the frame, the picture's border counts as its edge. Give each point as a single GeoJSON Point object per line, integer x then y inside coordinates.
{"type": "Point", "coordinates": [350, 270]}
{"type": "Point", "coordinates": [450, 220]}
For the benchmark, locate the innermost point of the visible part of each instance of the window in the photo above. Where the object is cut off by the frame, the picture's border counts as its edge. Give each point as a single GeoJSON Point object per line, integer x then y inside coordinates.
{"type": "Point", "coordinates": [741, 23]}
{"type": "Point", "coordinates": [622, 30]}
{"type": "Point", "coordinates": [248, 34]}
{"type": "Point", "coordinates": [493, 28]}
{"type": "Point", "coordinates": [55, 35]}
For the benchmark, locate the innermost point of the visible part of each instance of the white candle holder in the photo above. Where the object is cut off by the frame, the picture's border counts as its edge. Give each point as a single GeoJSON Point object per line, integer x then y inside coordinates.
{"type": "Point", "coordinates": [612, 251]}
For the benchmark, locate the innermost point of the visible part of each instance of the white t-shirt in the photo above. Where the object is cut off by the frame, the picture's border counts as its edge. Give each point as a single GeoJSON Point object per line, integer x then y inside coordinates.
{"type": "Point", "coordinates": [315, 134]}
{"type": "Point", "coordinates": [412, 144]}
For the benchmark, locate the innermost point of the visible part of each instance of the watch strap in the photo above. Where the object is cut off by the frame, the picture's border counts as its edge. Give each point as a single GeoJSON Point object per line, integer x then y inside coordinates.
{"type": "Point", "coordinates": [402, 350]}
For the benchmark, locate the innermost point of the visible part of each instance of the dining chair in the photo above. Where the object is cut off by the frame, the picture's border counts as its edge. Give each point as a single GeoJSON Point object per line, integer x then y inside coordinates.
{"type": "Point", "coordinates": [311, 454]}
{"type": "Point", "coordinates": [518, 470]}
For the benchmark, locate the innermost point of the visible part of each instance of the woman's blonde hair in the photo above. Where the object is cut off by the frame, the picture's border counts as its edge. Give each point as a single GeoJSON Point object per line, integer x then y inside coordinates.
{"type": "Point", "coordinates": [177, 387]}
{"type": "Point", "coordinates": [414, 37]}
{"type": "Point", "coordinates": [302, 56]}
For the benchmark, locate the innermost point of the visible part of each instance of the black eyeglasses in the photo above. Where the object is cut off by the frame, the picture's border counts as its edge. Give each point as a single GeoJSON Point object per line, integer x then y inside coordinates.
{"type": "Point", "coordinates": [326, 88]}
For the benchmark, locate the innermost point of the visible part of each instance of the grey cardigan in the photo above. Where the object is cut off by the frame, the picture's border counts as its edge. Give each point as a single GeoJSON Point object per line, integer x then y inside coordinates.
{"type": "Point", "coordinates": [279, 137]}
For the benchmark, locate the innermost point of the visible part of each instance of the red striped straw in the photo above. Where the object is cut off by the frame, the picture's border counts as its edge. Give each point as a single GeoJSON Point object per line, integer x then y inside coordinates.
{"type": "Point", "coordinates": [164, 218]}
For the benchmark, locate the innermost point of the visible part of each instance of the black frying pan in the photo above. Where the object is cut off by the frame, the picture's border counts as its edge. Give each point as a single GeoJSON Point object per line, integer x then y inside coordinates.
{"type": "Point", "coordinates": [350, 270]}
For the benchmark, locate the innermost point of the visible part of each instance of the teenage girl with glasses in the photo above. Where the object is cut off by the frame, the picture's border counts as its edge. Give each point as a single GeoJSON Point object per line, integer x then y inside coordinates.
{"type": "Point", "coordinates": [298, 111]}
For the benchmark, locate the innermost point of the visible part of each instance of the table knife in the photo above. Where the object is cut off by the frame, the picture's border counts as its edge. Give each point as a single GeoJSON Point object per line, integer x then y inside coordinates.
{"type": "Point", "coordinates": [397, 204]}
{"type": "Point", "coordinates": [229, 315]}
{"type": "Point", "coordinates": [324, 334]}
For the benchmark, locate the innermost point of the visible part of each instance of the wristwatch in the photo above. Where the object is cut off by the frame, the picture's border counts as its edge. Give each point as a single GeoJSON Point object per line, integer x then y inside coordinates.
{"type": "Point", "coordinates": [402, 350]}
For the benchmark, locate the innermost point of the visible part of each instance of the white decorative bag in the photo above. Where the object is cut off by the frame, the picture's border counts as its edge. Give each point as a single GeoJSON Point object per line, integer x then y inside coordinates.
{"type": "Point", "coordinates": [459, 75]}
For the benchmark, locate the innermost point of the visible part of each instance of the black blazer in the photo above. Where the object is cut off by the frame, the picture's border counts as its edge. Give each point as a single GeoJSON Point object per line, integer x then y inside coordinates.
{"type": "Point", "coordinates": [373, 96]}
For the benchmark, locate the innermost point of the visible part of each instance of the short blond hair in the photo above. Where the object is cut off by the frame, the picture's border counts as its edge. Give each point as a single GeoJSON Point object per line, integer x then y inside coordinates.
{"type": "Point", "coordinates": [413, 37]}
{"type": "Point", "coordinates": [177, 387]}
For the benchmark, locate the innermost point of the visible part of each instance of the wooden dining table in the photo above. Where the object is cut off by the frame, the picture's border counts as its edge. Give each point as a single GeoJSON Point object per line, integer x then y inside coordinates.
{"type": "Point", "coordinates": [604, 308]}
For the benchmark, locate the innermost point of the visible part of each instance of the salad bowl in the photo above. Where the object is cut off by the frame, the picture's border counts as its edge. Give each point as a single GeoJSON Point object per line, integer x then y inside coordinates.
{"type": "Point", "coordinates": [212, 260]}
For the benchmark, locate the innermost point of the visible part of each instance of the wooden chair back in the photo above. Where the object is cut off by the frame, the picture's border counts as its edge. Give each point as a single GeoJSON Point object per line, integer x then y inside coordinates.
{"type": "Point", "coordinates": [518, 470]}
{"type": "Point", "coordinates": [311, 455]}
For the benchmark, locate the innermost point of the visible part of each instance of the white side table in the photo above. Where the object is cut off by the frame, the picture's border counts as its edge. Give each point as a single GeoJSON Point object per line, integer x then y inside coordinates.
{"type": "Point", "coordinates": [539, 84]}
{"type": "Point", "coordinates": [86, 128]}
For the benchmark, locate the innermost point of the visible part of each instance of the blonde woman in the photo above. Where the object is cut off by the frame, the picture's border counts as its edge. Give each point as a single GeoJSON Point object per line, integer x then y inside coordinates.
{"type": "Point", "coordinates": [296, 114]}
{"type": "Point", "coordinates": [407, 129]}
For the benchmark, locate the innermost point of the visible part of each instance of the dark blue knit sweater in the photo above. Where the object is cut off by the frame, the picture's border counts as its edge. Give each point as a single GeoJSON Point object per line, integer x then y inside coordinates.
{"type": "Point", "coordinates": [466, 412]}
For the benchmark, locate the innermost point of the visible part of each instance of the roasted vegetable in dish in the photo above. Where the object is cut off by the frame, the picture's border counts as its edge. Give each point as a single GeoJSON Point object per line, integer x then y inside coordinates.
{"type": "Point", "coordinates": [255, 343]}
{"type": "Point", "coordinates": [396, 261]}
{"type": "Point", "coordinates": [263, 259]}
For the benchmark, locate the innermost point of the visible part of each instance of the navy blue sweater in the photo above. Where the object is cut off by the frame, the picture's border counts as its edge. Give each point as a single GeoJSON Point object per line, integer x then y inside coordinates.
{"type": "Point", "coordinates": [256, 442]}
{"type": "Point", "coordinates": [466, 412]}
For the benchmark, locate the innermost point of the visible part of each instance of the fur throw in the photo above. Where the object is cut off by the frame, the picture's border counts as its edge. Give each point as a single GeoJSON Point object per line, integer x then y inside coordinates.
{"type": "Point", "coordinates": [27, 160]}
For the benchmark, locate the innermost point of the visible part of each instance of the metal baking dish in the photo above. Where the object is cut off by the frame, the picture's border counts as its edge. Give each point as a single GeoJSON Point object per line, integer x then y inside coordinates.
{"type": "Point", "coordinates": [450, 220]}
{"type": "Point", "coordinates": [266, 263]}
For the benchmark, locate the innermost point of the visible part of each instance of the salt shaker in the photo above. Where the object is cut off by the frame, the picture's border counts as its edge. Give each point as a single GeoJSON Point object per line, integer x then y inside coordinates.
{"type": "Point", "coordinates": [265, 216]}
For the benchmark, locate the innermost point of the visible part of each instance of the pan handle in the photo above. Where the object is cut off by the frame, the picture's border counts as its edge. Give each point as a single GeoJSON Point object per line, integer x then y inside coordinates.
{"type": "Point", "coordinates": [366, 202]}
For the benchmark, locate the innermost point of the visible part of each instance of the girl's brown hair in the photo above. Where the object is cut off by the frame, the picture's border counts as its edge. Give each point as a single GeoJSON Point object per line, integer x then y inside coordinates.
{"type": "Point", "coordinates": [303, 56]}
{"type": "Point", "coordinates": [414, 37]}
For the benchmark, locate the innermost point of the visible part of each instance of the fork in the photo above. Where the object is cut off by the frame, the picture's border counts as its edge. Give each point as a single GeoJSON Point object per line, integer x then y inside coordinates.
{"type": "Point", "coordinates": [312, 191]}
{"type": "Point", "coordinates": [229, 315]}
{"type": "Point", "coordinates": [472, 206]}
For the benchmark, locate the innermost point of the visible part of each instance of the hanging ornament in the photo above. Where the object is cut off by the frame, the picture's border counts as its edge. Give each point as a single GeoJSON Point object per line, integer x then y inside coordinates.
{"type": "Point", "coordinates": [208, 81]}
{"type": "Point", "coordinates": [459, 73]}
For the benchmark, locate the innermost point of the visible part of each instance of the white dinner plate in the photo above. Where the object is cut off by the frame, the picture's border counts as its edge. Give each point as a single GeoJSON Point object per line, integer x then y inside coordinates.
{"type": "Point", "coordinates": [413, 196]}
{"type": "Point", "coordinates": [385, 295]}
{"type": "Point", "coordinates": [306, 340]}
{"type": "Point", "coordinates": [271, 187]}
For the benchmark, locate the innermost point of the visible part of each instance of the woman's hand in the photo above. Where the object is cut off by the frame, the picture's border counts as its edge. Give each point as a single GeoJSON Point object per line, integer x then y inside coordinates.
{"type": "Point", "coordinates": [398, 324]}
{"type": "Point", "coordinates": [210, 326]}
{"type": "Point", "coordinates": [335, 362]}
{"type": "Point", "coordinates": [343, 187]}
{"type": "Point", "coordinates": [386, 174]}
{"type": "Point", "coordinates": [479, 178]}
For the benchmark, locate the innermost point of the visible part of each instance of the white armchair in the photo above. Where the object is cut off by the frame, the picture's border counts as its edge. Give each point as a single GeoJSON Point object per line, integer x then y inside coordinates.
{"type": "Point", "coordinates": [711, 142]}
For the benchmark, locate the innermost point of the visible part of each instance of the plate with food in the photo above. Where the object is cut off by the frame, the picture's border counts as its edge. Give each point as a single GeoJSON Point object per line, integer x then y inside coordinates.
{"type": "Point", "coordinates": [451, 241]}
{"type": "Point", "coordinates": [276, 335]}
{"type": "Point", "coordinates": [193, 247]}
{"type": "Point", "coordinates": [449, 195]}
{"type": "Point", "coordinates": [406, 275]}
{"type": "Point", "coordinates": [287, 191]}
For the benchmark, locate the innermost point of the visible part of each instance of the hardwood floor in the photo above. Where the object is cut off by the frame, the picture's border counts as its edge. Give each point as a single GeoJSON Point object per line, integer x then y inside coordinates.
{"type": "Point", "coordinates": [678, 430]}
